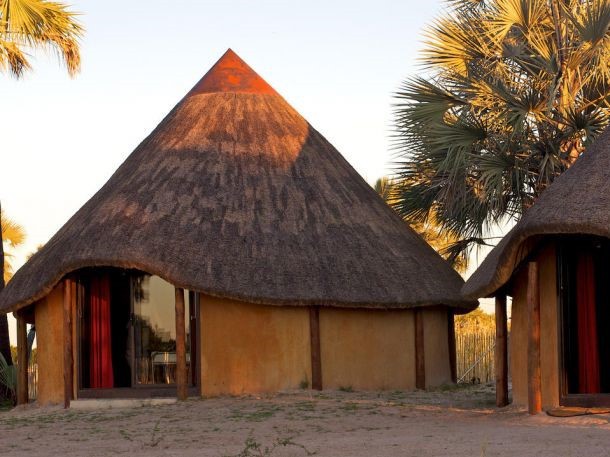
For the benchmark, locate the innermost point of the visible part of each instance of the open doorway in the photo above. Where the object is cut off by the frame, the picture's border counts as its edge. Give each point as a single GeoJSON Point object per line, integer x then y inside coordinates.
{"type": "Point", "coordinates": [584, 291]}
{"type": "Point", "coordinates": [127, 330]}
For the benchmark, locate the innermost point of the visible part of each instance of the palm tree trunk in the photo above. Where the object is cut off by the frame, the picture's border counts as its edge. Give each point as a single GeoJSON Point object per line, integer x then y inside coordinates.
{"type": "Point", "coordinates": [5, 342]}
{"type": "Point", "coordinates": [565, 80]}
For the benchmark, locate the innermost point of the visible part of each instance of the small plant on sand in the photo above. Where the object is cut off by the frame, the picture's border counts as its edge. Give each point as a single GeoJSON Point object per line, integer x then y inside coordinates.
{"type": "Point", "coordinates": [154, 438]}
{"type": "Point", "coordinates": [253, 448]}
{"type": "Point", "coordinates": [346, 389]}
{"type": "Point", "coordinates": [350, 407]}
{"type": "Point", "coordinates": [260, 413]}
{"type": "Point", "coordinates": [304, 384]}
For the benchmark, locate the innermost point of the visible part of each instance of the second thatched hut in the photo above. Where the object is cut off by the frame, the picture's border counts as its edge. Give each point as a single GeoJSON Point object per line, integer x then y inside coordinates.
{"type": "Point", "coordinates": [554, 264]}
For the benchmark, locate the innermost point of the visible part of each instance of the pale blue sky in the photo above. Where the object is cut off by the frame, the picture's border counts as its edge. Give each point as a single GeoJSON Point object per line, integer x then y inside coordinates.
{"type": "Point", "coordinates": [337, 62]}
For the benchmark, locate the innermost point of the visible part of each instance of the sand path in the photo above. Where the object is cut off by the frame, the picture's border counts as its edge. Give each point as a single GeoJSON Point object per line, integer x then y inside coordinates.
{"type": "Point", "coordinates": [458, 422]}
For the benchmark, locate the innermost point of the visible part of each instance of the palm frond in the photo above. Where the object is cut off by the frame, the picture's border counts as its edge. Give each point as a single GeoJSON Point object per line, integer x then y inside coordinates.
{"type": "Point", "coordinates": [12, 232]}
{"type": "Point", "coordinates": [517, 88]}
{"type": "Point", "coordinates": [13, 235]}
{"type": "Point", "coordinates": [524, 16]}
{"type": "Point", "coordinates": [38, 23]}
{"type": "Point", "coordinates": [13, 59]}
{"type": "Point", "coordinates": [455, 44]}
{"type": "Point", "coordinates": [591, 20]}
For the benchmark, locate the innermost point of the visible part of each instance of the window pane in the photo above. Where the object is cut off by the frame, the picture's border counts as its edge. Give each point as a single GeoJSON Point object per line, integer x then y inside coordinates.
{"type": "Point", "coordinates": [154, 330]}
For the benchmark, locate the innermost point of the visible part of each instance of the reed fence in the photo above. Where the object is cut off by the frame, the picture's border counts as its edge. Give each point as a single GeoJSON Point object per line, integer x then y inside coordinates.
{"type": "Point", "coordinates": [475, 355]}
{"type": "Point", "coordinates": [32, 381]}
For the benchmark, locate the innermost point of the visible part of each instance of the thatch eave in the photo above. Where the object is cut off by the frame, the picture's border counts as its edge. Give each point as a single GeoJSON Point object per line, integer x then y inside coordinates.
{"type": "Point", "coordinates": [577, 203]}
{"type": "Point", "coordinates": [497, 269]}
{"type": "Point", "coordinates": [461, 305]}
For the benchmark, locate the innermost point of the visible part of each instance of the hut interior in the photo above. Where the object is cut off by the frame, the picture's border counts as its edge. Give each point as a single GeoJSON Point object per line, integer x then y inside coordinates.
{"type": "Point", "coordinates": [584, 294]}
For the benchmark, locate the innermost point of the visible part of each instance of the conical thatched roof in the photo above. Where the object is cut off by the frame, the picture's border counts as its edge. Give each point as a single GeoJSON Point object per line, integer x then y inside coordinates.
{"type": "Point", "coordinates": [578, 202]}
{"type": "Point", "coordinates": [234, 194]}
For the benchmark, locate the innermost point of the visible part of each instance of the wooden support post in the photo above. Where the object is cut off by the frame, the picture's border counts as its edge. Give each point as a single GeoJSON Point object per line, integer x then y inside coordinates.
{"type": "Point", "coordinates": [534, 397]}
{"type": "Point", "coordinates": [22, 359]}
{"type": "Point", "coordinates": [420, 355]}
{"type": "Point", "coordinates": [198, 342]}
{"type": "Point", "coordinates": [67, 339]}
{"type": "Point", "coordinates": [316, 356]}
{"type": "Point", "coordinates": [501, 352]}
{"type": "Point", "coordinates": [451, 341]}
{"type": "Point", "coordinates": [181, 372]}
{"type": "Point", "coordinates": [75, 288]}
{"type": "Point", "coordinates": [193, 303]}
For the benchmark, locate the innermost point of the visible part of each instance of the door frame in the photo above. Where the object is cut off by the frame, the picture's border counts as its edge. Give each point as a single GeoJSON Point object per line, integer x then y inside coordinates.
{"type": "Point", "coordinates": [136, 390]}
{"type": "Point", "coordinates": [565, 398]}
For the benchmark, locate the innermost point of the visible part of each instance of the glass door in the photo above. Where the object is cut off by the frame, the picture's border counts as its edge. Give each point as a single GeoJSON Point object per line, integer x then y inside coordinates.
{"type": "Point", "coordinates": [153, 330]}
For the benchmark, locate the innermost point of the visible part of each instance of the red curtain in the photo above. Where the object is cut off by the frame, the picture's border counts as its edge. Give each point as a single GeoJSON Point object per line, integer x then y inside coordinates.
{"type": "Point", "coordinates": [588, 352]}
{"type": "Point", "coordinates": [100, 350]}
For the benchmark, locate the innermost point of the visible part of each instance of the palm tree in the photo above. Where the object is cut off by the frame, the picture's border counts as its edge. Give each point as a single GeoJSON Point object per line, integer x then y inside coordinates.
{"type": "Point", "coordinates": [513, 92]}
{"type": "Point", "coordinates": [13, 235]}
{"type": "Point", "coordinates": [429, 230]}
{"type": "Point", "coordinates": [28, 24]}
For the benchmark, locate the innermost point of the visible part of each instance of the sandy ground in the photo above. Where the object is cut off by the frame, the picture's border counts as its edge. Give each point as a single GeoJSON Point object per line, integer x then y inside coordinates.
{"type": "Point", "coordinates": [457, 422]}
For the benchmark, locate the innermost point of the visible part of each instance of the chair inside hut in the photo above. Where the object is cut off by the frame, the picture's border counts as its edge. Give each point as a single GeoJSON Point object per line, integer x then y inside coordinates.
{"type": "Point", "coordinates": [126, 327]}
{"type": "Point", "coordinates": [584, 298]}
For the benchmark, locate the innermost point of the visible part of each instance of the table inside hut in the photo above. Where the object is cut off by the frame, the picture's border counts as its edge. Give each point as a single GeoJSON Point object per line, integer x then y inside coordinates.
{"type": "Point", "coordinates": [163, 367]}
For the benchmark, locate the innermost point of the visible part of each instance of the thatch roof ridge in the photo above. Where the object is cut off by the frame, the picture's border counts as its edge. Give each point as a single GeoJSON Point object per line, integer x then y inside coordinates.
{"type": "Point", "coordinates": [578, 202]}
{"type": "Point", "coordinates": [231, 74]}
{"type": "Point", "coordinates": [235, 195]}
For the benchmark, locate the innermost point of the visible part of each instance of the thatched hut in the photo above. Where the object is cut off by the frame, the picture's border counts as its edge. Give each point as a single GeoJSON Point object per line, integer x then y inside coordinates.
{"type": "Point", "coordinates": [296, 272]}
{"type": "Point", "coordinates": [554, 264]}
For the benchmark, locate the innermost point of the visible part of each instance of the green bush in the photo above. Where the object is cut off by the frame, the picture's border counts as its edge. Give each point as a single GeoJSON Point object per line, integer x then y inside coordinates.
{"type": "Point", "coordinates": [8, 378]}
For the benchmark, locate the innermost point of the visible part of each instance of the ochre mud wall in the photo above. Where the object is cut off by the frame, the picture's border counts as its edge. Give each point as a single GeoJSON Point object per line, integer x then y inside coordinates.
{"type": "Point", "coordinates": [518, 339]}
{"type": "Point", "coordinates": [436, 346]}
{"type": "Point", "coordinates": [249, 348]}
{"type": "Point", "coordinates": [549, 335]}
{"type": "Point", "coordinates": [49, 340]}
{"type": "Point", "coordinates": [367, 349]}
{"type": "Point", "coordinates": [253, 348]}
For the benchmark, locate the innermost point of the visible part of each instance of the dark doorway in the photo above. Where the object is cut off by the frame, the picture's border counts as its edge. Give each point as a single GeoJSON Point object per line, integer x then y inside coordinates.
{"type": "Point", "coordinates": [121, 319]}
{"type": "Point", "coordinates": [104, 322]}
{"type": "Point", "coordinates": [584, 280]}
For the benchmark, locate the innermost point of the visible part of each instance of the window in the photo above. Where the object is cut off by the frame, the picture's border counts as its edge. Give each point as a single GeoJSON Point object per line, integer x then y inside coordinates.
{"type": "Point", "coordinates": [154, 330]}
